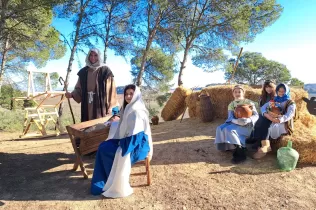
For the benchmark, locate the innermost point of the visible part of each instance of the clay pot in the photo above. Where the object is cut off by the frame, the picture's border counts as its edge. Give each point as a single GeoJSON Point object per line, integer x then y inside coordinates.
{"type": "Point", "coordinates": [155, 120]}
{"type": "Point", "coordinates": [243, 111]}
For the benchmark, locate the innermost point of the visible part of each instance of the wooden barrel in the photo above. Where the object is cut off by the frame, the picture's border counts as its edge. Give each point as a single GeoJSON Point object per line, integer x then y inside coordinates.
{"type": "Point", "coordinates": [206, 110]}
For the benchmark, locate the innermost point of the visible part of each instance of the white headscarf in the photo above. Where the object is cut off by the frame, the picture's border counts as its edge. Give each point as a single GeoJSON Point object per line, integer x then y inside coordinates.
{"type": "Point", "coordinates": [97, 64]}
{"type": "Point", "coordinates": [136, 103]}
{"type": "Point", "coordinates": [117, 184]}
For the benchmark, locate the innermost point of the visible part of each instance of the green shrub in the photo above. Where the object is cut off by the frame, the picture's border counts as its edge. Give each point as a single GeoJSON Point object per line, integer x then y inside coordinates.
{"type": "Point", "coordinates": [162, 99]}
{"type": "Point", "coordinates": [7, 93]}
{"type": "Point", "coordinates": [11, 120]}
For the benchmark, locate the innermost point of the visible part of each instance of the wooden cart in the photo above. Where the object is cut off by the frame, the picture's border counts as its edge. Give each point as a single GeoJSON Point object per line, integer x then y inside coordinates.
{"type": "Point", "coordinates": [90, 141]}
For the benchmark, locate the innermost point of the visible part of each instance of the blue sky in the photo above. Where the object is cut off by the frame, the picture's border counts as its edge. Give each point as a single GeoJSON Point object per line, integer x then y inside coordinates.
{"type": "Point", "coordinates": [291, 40]}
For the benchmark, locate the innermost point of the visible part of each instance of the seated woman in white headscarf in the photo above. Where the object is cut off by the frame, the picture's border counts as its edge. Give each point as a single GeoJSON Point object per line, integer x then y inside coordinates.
{"type": "Point", "coordinates": [131, 142]}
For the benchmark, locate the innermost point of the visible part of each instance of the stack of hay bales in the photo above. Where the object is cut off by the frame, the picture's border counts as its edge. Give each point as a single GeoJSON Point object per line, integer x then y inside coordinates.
{"type": "Point", "coordinates": [175, 106]}
{"type": "Point", "coordinates": [220, 97]}
{"type": "Point", "coordinates": [304, 137]}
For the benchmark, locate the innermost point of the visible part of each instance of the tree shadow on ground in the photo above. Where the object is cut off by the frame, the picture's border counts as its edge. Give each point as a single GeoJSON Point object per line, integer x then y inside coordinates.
{"type": "Point", "coordinates": [38, 177]}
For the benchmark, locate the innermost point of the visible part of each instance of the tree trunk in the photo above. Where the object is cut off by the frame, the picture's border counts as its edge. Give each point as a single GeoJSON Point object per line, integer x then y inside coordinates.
{"type": "Point", "coordinates": [106, 45]}
{"type": "Point", "coordinates": [3, 8]}
{"type": "Point", "coordinates": [3, 60]}
{"type": "Point", "coordinates": [71, 59]}
{"type": "Point", "coordinates": [183, 63]}
{"type": "Point", "coordinates": [104, 54]}
{"type": "Point", "coordinates": [152, 34]}
{"type": "Point", "coordinates": [144, 58]}
{"type": "Point", "coordinates": [107, 35]}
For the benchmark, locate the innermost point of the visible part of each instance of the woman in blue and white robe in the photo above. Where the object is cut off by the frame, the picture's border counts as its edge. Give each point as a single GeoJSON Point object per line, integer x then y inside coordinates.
{"type": "Point", "coordinates": [129, 142]}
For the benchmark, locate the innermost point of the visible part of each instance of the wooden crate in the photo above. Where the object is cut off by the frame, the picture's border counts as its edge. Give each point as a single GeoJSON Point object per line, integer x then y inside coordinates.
{"type": "Point", "coordinates": [89, 141]}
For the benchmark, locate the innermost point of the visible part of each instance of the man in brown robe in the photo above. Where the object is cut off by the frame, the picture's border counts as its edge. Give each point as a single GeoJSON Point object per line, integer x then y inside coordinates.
{"type": "Point", "coordinates": [95, 89]}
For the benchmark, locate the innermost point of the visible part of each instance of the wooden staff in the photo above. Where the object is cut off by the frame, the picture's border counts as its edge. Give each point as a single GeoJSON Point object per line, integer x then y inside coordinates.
{"type": "Point", "coordinates": [66, 87]}
{"type": "Point", "coordinates": [235, 67]}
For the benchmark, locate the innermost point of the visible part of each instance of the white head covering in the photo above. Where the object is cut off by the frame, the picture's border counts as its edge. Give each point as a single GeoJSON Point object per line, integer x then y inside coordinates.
{"type": "Point", "coordinates": [97, 64]}
{"type": "Point", "coordinates": [136, 103]}
{"type": "Point", "coordinates": [117, 184]}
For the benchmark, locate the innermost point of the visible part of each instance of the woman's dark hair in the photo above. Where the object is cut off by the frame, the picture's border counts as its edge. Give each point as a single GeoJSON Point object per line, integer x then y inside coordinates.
{"type": "Point", "coordinates": [280, 86]}
{"type": "Point", "coordinates": [131, 86]}
{"type": "Point", "coordinates": [264, 94]}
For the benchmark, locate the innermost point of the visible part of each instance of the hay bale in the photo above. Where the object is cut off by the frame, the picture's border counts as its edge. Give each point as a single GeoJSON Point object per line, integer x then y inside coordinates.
{"type": "Point", "coordinates": [297, 96]}
{"type": "Point", "coordinates": [306, 119]}
{"type": "Point", "coordinates": [175, 106]}
{"type": "Point", "coordinates": [221, 96]}
{"type": "Point", "coordinates": [304, 141]}
{"type": "Point", "coordinates": [191, 102]}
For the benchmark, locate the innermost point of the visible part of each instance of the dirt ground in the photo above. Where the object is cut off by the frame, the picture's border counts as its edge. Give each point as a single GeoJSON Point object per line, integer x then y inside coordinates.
{"type": "Point", "coordinates": [187, 173]}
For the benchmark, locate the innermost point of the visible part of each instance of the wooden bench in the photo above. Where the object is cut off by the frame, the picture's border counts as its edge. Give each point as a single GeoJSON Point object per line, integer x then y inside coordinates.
{"type": "Point", "coordinates": [90, 141]}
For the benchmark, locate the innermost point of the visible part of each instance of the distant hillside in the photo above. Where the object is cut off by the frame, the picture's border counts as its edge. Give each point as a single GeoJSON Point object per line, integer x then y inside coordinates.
{"type": "Point", "coordinates": [311, 88]}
